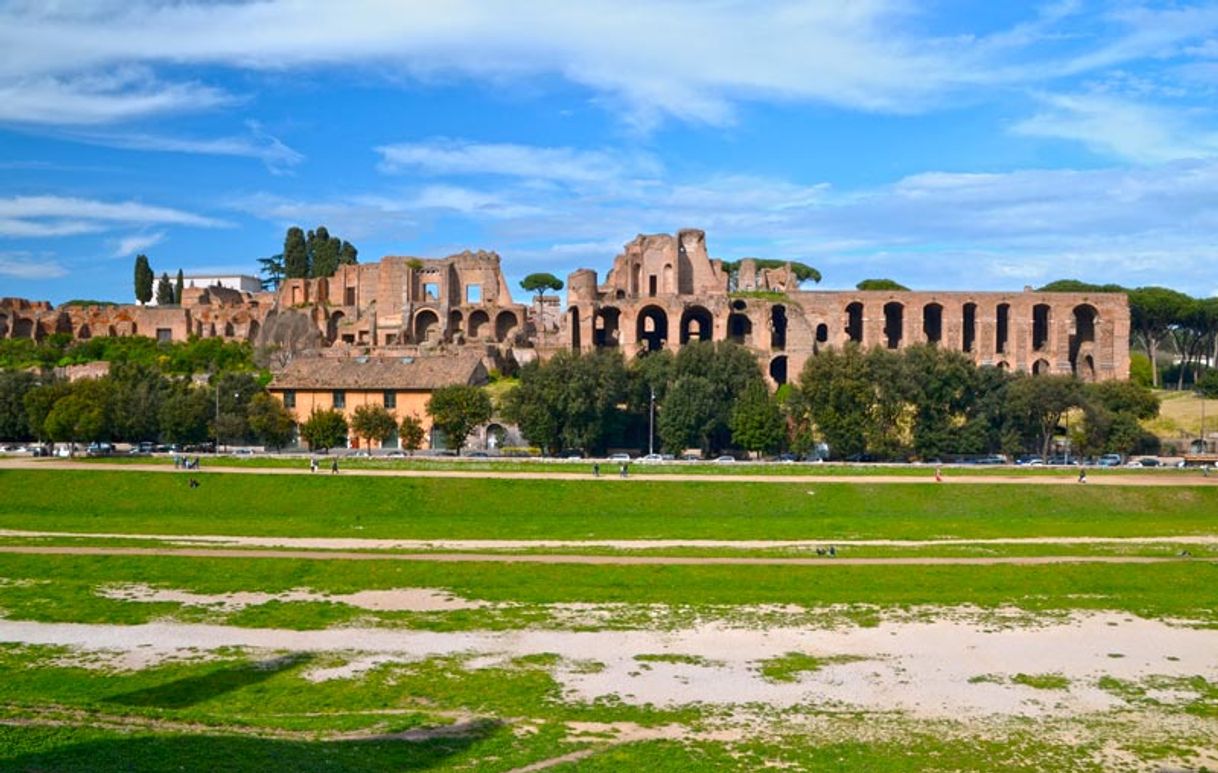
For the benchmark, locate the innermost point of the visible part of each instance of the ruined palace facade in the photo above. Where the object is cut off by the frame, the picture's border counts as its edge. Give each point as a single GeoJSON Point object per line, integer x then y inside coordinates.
{"type": "Point", "coordinates": [664, 291]}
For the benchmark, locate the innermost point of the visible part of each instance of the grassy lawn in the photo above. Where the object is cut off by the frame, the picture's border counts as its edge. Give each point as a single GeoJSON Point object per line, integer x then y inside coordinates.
{"type": "Point", "coordinates": [428, 508]}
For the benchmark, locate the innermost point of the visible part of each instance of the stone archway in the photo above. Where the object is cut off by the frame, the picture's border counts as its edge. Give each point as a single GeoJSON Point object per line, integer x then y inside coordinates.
{"type": "Point", "coordinates": [778, 369]}
{"type": "Point", "coordinates": [505, 322]}
{"type": "Point", "coordinates": [573, 314]}
{"type": "Point", "coordinates": [697, 323]}
{"type": "Point", "coordinates": [426, 325]}
{"type": "Point", "coordinates": [332, 325]}
{"type": "Point", "coordinates": [1040, 367]}
{"type": "Point", "coordinates": [605, 327]}
{"type": "Point", "coordinates": [932, 323]}
{"type": "Point", "coordinates": [894, 324]}
{"type": "Point", "coordinates": [778, 326]}
{"type": "Point", "coordinates": [479, 325]}
{"type": "Point", "coordinates": [854, 322]}
{"type": "Point", "coordinates": [651, 328]}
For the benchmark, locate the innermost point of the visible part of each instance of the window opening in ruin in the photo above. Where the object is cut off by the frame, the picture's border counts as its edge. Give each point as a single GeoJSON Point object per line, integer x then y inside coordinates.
{"type": "Point", "coordinates": [1040, 326]}
{"type": "Point", "coordinates": [391, 399]}
{"type": "Point", "coordinates": [778, 369]}
{"type": "Point", "coordinates": [652, 329]}
{"type": "Point", "coordinates": [349, 296]}
{"type": "Point", "coordinates": [1040, 368]}
{"type": "Point", "coordinates": [969, 333]}
{"type": "Point", "coordinates": [336, 319]}
{"type": "Point", "coordinates": [339, 398]}
{"type": "Point", "coordinates": [504, 324]}
{"type": "Point", "coordinates": [822, 333]}
{"type": "Point", "coordinates": [605, 328]}
{"type": "Point", "coordinates": [636, 272]}
{"type": "Point", "coordinates": [1002, 328]}
{"type": "Point", "coordinates": [668, 283]}
{"type": "Point", "coordinates": [854, 322]}
{"type": "Point", "coordinates": [84, 332]}
{"type": "Point", "coordinates": [164, 335]}
{"type": "Point", "coordinates": [289, 398]}
{"type": "Point", "coordinates": [295, 296]}
{"type": "Point", "coordinates": [349, 338]}
{"type": "Point", "coordinates": [575, 331]}
{"type": "Point", "coordinates": [739, 329]}
{"type": "Point", "coordinates": [473, 293]}
{"type": "Point", "coordinates": [1003, 365]}
{"type": "Point", "coordinates": [894, 324]}
{"type": "Point", "coordinates": [932, 323]}
{"type": "Point", "coordinates": [652, 284]}
{"type": "Point", "coordinates": [431, 291]}
{"type": "Point", "coordinates": [778, 327]}
{"type": "Point", "coordinates": [697, 324]}
{"type": "Point", "coordinates": [738, 305]}
{"type": "Point", "coordinates": [1084, 333]}
{"type": "Point", "coordinates": [479, 324]}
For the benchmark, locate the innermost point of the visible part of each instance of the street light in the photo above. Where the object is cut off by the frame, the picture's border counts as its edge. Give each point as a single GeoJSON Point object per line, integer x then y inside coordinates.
{"type": "Point", "coordinates": [235, 395]}
{"type": "Point", "coordinates": [651, 424]}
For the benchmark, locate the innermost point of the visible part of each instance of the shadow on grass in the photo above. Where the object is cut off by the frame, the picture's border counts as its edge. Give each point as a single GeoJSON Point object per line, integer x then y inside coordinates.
{"type": "Point", "coordinates": [237, 754]}
{"type": "Point", "coordinates": [183, 693]}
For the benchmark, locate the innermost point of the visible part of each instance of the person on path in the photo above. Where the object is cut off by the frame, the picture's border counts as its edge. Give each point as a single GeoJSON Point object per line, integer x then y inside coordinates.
{"type": "Point", "coordinates": [334, 466]}
{"type": "Point", "coordinates": [313, 464]}
{"type": "Point", "coordinates": [596, 469]}
{"type": "Point", "coordinates": [622, 470]}
{"type": "Point", "coordinates": [938, 474]}
{"type": "Point", "coordinates": [1082, 475]}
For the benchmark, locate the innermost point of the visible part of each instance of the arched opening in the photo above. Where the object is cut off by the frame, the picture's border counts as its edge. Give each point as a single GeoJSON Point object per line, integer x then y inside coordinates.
{"type": "Point", "coordinates": [253, 330]}
{"type": "Point", "coordinates": [854, 322]}
{"type": "Point", "coordinates": [932, 323]}
{"type": "Point", "coordinates": [894, 324]}
{"type": "Point", "coordinates": [456, 322]}
{"type": "Point", "coordinates": [778, 369]}
{"type": "Point", "coordinates": [739, 328]}
{"type": "Point", "coordinates": [1040, 367]}
{"type": "Point", "coordinates": [426, 326]}
{"type": "Point", "coordinates": [669, 288]}
{"type": "Point", "coordinates": [63, 324]}
{"type": "Point", "coordinates": [3, 325]}
{"type": "Point", "coordinates": [229, 331]}
{"type": "Point", "coordinates": [505, 322]}
{"type": "Point", "coordinates": [83, 331]}
{"type": "Point", "coordinates": [605, 333]}
{"type": "Point", "coordinates": [496, 435]}
{"type": "Point", "coordinates": [1040, 326]}
{"type": "Point", "coordinates": [479, 325]}
{"type": "Point", "coordinates": [778, 327]}
{"type": "Point", "coordinates": [1002, 327]}
{"type": "Point", "coordinates": [574, 324]}
{"type": "Point", "coordinates": [822, 333]}
{"type": "Point", "coordinates": [1082, 340]}
{"type": "Point", "coordinates": [652, 328]}
{"type": "Point", "coordinates": [697, 323]}
{"type": "Point", "coordinates": [1003, 365]}
{"type": "Point", "coordinates": [112, 331]}
{"type": "Point", "coordinates": [968, 335]}
{"type": "Point", "coordinates": [332, 326]}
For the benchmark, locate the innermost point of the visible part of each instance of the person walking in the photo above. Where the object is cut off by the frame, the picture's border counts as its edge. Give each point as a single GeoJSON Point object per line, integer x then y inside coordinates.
{"type": "Point", "coordinates": [313, 464]}
{"type": "Point", "coordinates": [596, 469]}
{"type": "Point", "coordinates": [938, 474]}
{"type": "Point", "coordinates": [1082, 475]}
{"type": "Point", "coordinates": [334, 466]}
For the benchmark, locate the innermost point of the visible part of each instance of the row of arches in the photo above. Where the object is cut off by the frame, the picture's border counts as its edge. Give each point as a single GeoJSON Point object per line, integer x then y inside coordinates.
{"type": "Point", "coordinates": [426, 325]}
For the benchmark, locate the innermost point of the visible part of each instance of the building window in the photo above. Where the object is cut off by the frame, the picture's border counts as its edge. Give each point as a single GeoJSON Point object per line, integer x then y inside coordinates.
{"type": "Point", "coordinates": [391, 400]}
{"type": "Point", "coordinates": [289, 398]}
{"type": "Point", "coordinates": [340, 398]}
{"type": "Point", "coordinates": [164, 335]}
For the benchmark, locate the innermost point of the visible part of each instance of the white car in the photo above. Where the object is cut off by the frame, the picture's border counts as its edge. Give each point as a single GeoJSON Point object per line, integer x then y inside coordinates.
{"type": "Point", "coordinates": [725, 459]}
{"type": "Point", "coordinates": [619, 457]}
{"type": "Point", "coordinates": [651, 458]}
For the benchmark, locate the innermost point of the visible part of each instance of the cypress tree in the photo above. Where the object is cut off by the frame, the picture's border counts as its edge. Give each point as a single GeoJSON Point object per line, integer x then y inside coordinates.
{"type": "Point", "coordinates": [295, 255]}
{"type": "Point", "coordinates": [178, 286]}
{"type": "Point", "coordinates": [164, 291]}
{"type": "Point", "coordinates": [324, 252]}
{"type": "Point", "coordinates": [143, 279]}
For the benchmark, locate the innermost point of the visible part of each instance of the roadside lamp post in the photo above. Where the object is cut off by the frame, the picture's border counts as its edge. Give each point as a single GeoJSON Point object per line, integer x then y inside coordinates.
{"type": "Point", "coordinates": [235, 395]}
{"type": "Point", "coordinates": [651, 424]}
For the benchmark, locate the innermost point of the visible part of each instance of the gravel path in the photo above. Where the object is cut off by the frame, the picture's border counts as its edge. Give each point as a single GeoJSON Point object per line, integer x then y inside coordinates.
{"type": "Point", "coordinates": [555, 558]}
{"type": "Point", "coordinates": [1066, 478]}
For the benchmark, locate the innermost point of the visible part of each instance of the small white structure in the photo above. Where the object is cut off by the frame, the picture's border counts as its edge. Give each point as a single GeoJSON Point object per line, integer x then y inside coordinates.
{"type": "Point", "coordinates": [242, 282]}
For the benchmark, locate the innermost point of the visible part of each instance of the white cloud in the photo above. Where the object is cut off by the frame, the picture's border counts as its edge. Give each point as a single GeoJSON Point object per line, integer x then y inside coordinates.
{"type": "Point", "coordinates": [89, 99]}
{"type": "Point", "coordinates": [1113, 126]}
{"type": "Point", "coordinates": [462, 157]}
{"type": "Point", "coordinates": [130, 245]}
{"type": "Point", "coordinates": [44, 216]}
{"type": "Point", "coordinates": [24, 265]}
{"type": "Point", "coordinates": [274, 154]}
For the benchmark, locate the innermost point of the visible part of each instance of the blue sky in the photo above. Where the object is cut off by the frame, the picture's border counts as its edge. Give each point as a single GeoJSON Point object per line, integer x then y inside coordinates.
{"type": "Point", "coordinates": [947, 145]}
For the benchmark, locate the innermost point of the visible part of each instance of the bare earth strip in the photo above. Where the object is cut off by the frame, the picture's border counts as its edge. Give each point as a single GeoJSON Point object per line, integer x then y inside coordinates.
{"type": "Point", "coordinates": [1051, 480]}
{"type": "Point", "coordinates": [355, 543]}
{"type": "Point", "coordinates": [555, 558]}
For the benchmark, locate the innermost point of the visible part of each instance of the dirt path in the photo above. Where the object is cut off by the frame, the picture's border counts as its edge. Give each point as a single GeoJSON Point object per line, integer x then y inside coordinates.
{"type": "Point", "coordinates": [356, 543]}
{"type": "Point", "coordinates": [1066, 478]}
{"type": "Point", "coordinates": [555, 558]}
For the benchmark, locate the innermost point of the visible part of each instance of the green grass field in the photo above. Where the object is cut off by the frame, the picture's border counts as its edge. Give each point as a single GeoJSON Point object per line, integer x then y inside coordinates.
{"type": "Point", "coordinates": [246, 709]}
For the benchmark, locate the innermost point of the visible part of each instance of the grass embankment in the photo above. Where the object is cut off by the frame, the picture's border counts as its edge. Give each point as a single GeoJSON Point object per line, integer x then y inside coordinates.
{"type": "Point", "coordinates": [425, 508]}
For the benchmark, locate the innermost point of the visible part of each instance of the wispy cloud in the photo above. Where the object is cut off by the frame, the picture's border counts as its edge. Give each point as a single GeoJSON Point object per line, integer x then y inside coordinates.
{"type": "Point", "coordinates": [442, 156]}
{"type": "Point", "coordinates": [25, 265]}
{"type": "Point", "coordinates": [259, 144]}
{"type": "Point", "coordinates": [46, 216]}
{"type": "Point", "coordinates": [130, 245]}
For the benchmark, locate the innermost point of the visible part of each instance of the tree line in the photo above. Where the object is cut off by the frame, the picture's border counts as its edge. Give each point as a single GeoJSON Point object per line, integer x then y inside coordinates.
{"type": "Point", "coordinates": [168, 292]}
{"type": "Point", "coordinates": [455, 411]}
{"type": "Point", "coordinates": [918, 403]}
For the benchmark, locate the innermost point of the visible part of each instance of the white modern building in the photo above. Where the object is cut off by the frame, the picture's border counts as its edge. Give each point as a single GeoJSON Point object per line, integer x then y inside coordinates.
{"type": "Point", "coordinates": [242, 282]}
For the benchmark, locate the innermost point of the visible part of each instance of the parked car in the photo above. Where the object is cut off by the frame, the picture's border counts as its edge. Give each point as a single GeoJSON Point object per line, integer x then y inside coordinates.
{"type": "Point", "coordinates": [1060, 460]}
{"type": "Point", "coordinates": [1109, 460]}
{"type": "Point", "coordinates": [1150, 461]}
{"type": "Point", "coordinates": [619, 457]}
{"type": "Point", "coordinates": [396, 454]}
{"type": "Point", "coordinates": [99, 449]}
{"type": "Point", "coordinates": [787, 458]}
{"type": "Point", "coordinates": [725, 459]}
{"type": "Point", "coordinates": [1030, 460]}
{"type": "Point", "coordinates": [651, 458]}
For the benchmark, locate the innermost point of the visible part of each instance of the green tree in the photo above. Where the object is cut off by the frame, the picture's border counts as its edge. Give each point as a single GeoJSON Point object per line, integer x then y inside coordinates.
{"type": "Point", "coordinates": [14, 384]}
{"type": "Point", "coordinates": [184, 413]}
{"type": "Point", "coordinates": [38, 403]}
{"type": "Point", "coordinates": [837, 393]}
{"type": "Point", "coordinates": [802, 271]}
{"type": "Point", "coordinates": [139, 389]}
{"type": "Point", "coordinates": [757, 423]}
{"type": "Point", "coordinates": [236, 389]}
{"type": "Point", "coordinates": [164, 291]}
{"type": "Point", "coordinates": [1077, 286]}
{"type": "Point", "coordinates": [143, 279]}
{"type": "Point", "coordinates": [84, 414]}
{"type": "Point", "coordinates": [690, 416]}
{"type": "Point", "coordinates": [729, 369]}
{"type": "Point", "coordinates": [272, 271]}
{"type": "Point", "coordinates": [1152, 313]}
{"type": "Point", "coordinates": [880, 284]}
{"type": "Point", "coordinates": [455, 410]}
{"type": "Point", "coordinates": [347, 254]}
{"type": "Point", "coordinates": [373, 422]}
{"type": "Point", "coordinates": [295, 255]}
{"type": "Point", "coordinates": [179, 285]}
{"type": "Point", "coordinates": [270, 422]}
{"type": "Point", "coordinates": [1038, 403]}
{"type": "Point", "coordinates": [942, 389]}
{"type": "Point", "coordinates": [324, 429]}
{"type": "Point", "coordinates": [539, 283]}
{"type": "Point", "coordinates": [411, 433]}
{"type": "Point", "coordinates": [1207, 384]}
{"type": "Point", "coordinates": [323, 252]}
